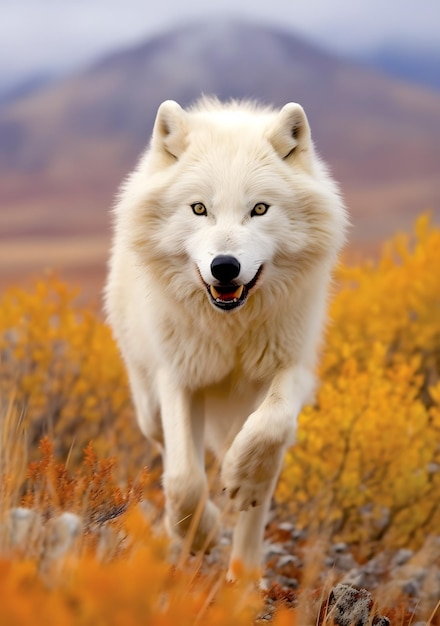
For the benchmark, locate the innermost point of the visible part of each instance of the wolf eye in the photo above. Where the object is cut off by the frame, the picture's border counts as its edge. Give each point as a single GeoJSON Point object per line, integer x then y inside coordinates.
{"type": "Point", "coordinates": [259, 209]}
{"type": "Point", "coordinates": [199, 208]}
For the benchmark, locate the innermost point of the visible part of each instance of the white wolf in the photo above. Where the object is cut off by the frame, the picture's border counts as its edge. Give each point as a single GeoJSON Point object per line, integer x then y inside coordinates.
{"type": "Point", "coordinates": [225, 238]}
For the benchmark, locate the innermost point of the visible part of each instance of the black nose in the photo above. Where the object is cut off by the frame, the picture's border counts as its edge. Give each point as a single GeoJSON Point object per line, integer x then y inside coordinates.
{"type": "Point", "coordinates": [225, 268]}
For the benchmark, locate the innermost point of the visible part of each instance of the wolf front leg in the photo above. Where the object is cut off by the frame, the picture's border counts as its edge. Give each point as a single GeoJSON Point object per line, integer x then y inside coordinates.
{"type": "Point", "coordinates": [248, 536]}
{"type": "Point", "coordinates": [189, 512]}
{"type": "Point", "coordinates": [252, 464]}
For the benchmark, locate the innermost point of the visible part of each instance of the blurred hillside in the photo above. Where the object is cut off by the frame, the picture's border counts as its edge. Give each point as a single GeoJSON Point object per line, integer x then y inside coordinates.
{"type": "Point", "coordinates": [65, 148]}
{"type": "Point", "coordinates": [408, 62]}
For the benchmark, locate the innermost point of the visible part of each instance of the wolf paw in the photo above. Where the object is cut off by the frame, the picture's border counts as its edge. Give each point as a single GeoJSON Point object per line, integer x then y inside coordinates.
{"type": "Point", "coordinates": [203, 533]}
{"type": "Point", "coordinates": [191, 516]}
{"type": "Point", "coordinates": [249, 470]}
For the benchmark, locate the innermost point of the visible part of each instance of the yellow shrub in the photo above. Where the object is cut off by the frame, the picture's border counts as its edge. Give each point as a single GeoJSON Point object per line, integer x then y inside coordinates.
{"type": "Point", "coordinates": [366, 466]}
{"type": "Point", "coordinates": [63, 370]}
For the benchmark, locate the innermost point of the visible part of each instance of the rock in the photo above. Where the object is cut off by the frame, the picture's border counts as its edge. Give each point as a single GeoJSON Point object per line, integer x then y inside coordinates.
{"type": "Point", "coordinates": [24, 528]}
{"type": "Point", "coordinates": [289, 560]}
{"type": "Point", "coordinates": [298, 535]}
{"type": "Point", "coordinates": [411, 588]}
{"type": "Point", "coordinates": [274, 549]}
{"type": "Point", "coordinates": [344, 562]}
{"type": "Point", "coordinates": [401, 557]}
{"type": "Point", "coordinates": [287, 526]}
{"type": "Point", "coordinates": [61, 533]}
{"type": "Point", "coordinates": [339, 547]}
{"type": "Point", "coordinates": [350, 605]}
{"type": "Point", "coordinates": [354, 578]}
{"type": "Point", "coordinates": [287, 583]}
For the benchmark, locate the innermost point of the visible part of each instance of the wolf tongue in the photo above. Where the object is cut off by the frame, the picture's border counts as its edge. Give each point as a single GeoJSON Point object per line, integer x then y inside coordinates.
{"type": "Point", "coordinates": [229, 295]}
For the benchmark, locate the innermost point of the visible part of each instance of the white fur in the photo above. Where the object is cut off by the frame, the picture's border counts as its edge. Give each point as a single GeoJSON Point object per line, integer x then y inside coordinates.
{"type": "Point", "coordinates": [236, 380]}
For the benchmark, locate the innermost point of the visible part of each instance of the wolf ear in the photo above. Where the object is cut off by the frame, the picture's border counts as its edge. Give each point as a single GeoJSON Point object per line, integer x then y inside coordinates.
{"type": "Point", "coordinates": [170, 129]}
{"type": "Point", "coordinates": [290, 133]}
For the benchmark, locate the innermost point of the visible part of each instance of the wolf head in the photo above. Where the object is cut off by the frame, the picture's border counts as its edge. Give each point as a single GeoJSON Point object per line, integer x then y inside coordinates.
{"type": "Point", "coordinates": [230, 199]}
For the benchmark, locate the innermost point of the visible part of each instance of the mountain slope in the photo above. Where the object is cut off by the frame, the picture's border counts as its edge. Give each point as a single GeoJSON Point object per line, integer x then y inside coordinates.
{"type": "Point", "coordinates": [413, 64]}
{"type": "Point", "coordinates": [64, 150]}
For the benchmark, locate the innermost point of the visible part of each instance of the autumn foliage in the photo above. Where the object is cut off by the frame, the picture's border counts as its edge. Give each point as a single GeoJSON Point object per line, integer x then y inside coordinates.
{"type": "Point", "coordinates": [62, 372]}
{"type": "Point", "coordinates": [367, 463]}
{"type": "Point", "coordinates": [365, 469]}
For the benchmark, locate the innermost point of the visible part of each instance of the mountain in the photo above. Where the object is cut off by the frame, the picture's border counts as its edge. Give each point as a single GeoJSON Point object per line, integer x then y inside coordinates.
{"type": "Point", "coordinates": [65, 148]}
{"type": "Point", "coordinates": [415, 65]}
{"type": "Point", "coordinates": [11, 92]}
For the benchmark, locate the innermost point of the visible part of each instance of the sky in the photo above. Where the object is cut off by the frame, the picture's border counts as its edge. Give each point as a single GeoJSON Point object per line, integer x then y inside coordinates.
{"type": "Point", "coordinates": [50, 36]}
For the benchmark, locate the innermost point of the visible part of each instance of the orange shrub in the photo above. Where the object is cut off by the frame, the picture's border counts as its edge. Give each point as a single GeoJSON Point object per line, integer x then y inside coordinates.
{"type": "Point", "coordinates": [138, 587]}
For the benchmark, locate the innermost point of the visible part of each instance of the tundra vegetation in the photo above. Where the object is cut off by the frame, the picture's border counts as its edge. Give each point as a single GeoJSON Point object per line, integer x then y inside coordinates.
{"type": "Point", "coordinates": [354, 531]}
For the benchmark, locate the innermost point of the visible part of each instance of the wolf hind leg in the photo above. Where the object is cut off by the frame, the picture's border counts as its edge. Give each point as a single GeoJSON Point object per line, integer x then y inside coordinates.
{"type": "Point", "coordinates": [146, 404]}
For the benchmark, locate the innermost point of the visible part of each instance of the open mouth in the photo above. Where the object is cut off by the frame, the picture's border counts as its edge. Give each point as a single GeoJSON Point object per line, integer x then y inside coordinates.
{"type": "Point", "coordinates": [230, 296]}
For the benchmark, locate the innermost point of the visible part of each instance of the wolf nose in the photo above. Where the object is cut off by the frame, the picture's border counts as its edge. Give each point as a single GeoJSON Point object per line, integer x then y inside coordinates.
{"type": "Point", "coordinates": [225, 268]}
